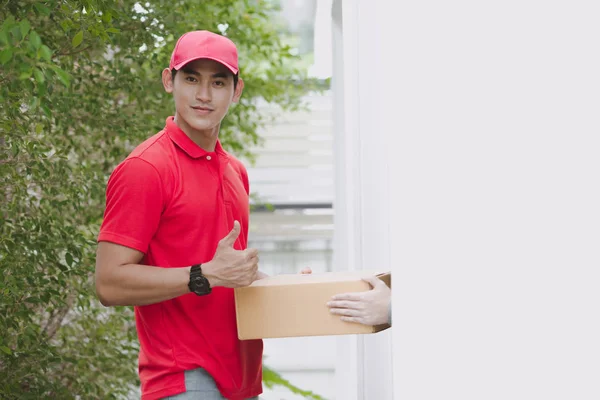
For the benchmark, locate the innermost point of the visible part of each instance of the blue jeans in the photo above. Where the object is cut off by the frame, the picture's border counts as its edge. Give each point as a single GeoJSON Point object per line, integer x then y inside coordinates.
{"type": "Point", "coordinates": [199, 385]}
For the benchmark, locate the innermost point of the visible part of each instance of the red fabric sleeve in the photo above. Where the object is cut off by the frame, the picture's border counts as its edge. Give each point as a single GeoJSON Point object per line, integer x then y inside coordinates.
{"type": "Point", "coordinates": [134, 204]}
{"type": "Point", "coordinates": [244, 175]}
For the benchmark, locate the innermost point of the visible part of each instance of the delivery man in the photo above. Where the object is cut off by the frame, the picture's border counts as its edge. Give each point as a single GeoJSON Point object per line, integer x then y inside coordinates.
{"type": "Point", "coordinates": [173, 242]}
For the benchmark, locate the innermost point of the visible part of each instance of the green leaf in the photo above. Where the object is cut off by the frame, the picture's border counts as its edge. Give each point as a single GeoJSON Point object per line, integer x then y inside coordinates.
{"type": "Point", "coordinates": [39, 75]}
{"type": "Point", "coordinates": [16, 32]}
{"type": "Point", "coordinates": [69, 259]}
{"type": "Point", "coordinates": [41, 8]}
{"type": "Point", "coordinates": [66, 24]}
{"type": "Point", "coordinates": [3, 37]}
{"type": "Point", "coordinates": [32, 300]}
{"type": "Point", "coordinates": [24, 26]}
{"type": "Point", "coordinates": [45, 52]}
{"type": "Point", "coordinates": [46, 110]}
{"type": "Point", "coordinates": [25, 74]}
{"type": "Point", "coordinates": [42, 89]}
{"type": "Point", "coordinates": [63, 76]}
{"type": "Point", "coordinates": [8, 21]}
{"type": "Point", "coordinates": [6, 350]}
{"type": "Point", "coordinates": [272, 378]}
{"type": "Point", "coordinates": [5, 55]}
{"type": "Point", "coordinates": [113, 30]}
{"type": "Point", "coordinates": [77, 39]}
{"type": "Point", "coordinates": [35, 40]}
{"type": "Point", "coordinates": [34, 103]}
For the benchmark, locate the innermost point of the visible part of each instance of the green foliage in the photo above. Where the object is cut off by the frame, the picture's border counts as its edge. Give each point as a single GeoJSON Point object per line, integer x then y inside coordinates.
{"type": "Point", "coordinates": [272, 378]}
{"type": "Point", "coordinates": [79, 88]}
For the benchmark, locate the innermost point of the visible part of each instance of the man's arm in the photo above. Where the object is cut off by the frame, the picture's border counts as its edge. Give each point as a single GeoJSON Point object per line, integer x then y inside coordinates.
{"type": "Point", "coordinates": [121, 280]}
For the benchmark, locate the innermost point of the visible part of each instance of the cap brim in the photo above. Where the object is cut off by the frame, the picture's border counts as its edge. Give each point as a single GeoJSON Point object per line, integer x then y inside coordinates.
{"type": "Point", "coordinates": [229, 67]}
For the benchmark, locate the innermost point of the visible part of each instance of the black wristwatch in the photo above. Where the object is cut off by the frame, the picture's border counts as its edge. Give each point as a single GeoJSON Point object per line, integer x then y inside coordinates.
{"type": "Point", "coordinates": [199, 284]}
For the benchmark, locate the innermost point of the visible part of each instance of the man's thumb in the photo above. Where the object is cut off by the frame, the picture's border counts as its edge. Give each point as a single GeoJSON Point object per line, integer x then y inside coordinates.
{"type": "Point", "coordinates": [232, 236]}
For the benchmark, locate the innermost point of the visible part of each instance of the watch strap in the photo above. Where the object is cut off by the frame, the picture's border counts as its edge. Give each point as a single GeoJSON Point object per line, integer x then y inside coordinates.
{"type": "Point", "coordinates": [196, 270]}
{"type": "Point", "coordinates": [197, 278]}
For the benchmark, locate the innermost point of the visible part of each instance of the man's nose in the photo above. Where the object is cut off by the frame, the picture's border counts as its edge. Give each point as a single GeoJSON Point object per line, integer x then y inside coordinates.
{"type": "Point", "coordinates": [203, 93]}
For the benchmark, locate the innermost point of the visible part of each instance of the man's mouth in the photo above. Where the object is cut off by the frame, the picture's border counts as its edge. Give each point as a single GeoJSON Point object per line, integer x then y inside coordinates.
{"type": "Point", "coordinates": [202, 110]}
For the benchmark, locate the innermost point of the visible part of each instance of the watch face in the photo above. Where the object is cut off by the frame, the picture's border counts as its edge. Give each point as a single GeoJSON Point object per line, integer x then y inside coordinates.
{"type": "Point", "coordinates": [200, 285]}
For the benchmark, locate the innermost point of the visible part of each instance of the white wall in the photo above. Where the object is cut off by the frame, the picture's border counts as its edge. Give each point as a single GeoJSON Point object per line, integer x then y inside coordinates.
{"type": "Point", "coordinates": [492, 114]}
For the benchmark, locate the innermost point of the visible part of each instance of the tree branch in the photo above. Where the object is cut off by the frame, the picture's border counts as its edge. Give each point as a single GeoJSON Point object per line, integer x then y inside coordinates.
{"type": "Point", "coordinates": [74, 52]}
{"type": "Point", "coordinates": [55, 321]}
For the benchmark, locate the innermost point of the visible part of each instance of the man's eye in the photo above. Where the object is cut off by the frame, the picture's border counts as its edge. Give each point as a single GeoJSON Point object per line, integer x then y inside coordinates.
{"type": "Point", "coordinates": [219, 83]}
{"type": "Point", "coordinates": [190, 79]}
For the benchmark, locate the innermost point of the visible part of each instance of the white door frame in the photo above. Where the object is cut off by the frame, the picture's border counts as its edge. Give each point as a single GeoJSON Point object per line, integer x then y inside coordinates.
{"type": "Point", "coordinates": [361, 240]}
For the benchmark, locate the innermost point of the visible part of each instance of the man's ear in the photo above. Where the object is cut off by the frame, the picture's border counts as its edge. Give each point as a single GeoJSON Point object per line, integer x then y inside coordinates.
{"type": "Point", "coordinates": [238, 90]}
{"type": "Point", "coordinates": [167, 80]}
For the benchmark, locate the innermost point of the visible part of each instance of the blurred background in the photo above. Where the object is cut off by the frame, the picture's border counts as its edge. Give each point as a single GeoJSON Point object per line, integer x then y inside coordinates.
{"type": "Point", "coordinates": [292, 224]}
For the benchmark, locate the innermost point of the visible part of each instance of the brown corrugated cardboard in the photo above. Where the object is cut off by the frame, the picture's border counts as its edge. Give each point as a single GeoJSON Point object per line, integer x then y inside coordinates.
{"type": "Point", "coordinates": [295, 305]}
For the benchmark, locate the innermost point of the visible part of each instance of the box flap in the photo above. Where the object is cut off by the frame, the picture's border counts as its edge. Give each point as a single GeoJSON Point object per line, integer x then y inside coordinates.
{"type": "Point", "coordinates": [299, 279]}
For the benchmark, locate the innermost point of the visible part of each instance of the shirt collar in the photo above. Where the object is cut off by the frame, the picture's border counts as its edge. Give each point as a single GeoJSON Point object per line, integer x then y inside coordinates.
{"type": "Point", "coordinates": [183, 141]}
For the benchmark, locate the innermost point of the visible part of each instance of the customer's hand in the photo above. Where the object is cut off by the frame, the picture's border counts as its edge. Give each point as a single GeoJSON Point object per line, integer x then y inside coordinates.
{"type": "Point", "coordinates": [369, 308]}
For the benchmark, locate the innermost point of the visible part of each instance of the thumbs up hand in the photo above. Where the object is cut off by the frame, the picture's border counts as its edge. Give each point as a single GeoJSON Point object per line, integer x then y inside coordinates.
{"type": "Point", "coordinates": [230, 267]}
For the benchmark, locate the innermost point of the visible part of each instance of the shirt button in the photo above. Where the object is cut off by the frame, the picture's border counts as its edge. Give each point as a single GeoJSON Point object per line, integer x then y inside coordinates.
{"type": "Point", "coordinates": [208, 158]}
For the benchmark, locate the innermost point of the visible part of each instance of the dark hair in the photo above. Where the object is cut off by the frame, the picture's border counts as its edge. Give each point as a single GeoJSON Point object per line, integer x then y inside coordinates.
{"type": "Point", "coordinates": [236, 77]}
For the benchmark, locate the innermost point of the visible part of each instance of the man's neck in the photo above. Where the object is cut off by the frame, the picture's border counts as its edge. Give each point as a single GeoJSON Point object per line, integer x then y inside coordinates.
{"type": "Point", "coordinates": [206, 139]}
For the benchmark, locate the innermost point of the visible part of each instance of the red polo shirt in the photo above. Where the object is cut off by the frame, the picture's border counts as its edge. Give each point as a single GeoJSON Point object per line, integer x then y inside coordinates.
{"type": "Point", "coordinates": [173, 201]}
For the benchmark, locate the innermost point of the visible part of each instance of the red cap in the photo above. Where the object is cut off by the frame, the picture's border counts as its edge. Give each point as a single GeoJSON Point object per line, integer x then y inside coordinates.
{"type": "Point", "coordinates": [204, 44]}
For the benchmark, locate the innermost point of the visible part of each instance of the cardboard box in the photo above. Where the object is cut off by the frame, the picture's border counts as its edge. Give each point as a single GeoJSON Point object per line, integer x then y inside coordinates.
{"type": "Point", "coordinates": [296, 305]}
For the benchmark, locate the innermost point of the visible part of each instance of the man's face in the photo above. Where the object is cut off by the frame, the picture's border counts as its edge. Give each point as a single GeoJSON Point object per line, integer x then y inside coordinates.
{"type": "Point", "coordinates": [203, 91]}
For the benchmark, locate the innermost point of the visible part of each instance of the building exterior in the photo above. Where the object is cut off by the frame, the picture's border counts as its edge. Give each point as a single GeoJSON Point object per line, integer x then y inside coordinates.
{"type": "Point", "coordinates": [293, 175]}
{"type": "Point", "coordinates": [324, 174]}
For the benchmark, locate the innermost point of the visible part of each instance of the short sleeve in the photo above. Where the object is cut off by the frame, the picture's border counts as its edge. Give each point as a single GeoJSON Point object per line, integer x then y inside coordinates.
{"type": "Point", "coordinates": [134, 204]}
{"type": "Point", "coordinates": [244, 176]}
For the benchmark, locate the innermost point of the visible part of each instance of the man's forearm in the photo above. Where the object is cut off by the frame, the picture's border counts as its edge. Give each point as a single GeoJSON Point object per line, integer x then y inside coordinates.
{"type": "Point", "coordinates": [136, 285]}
